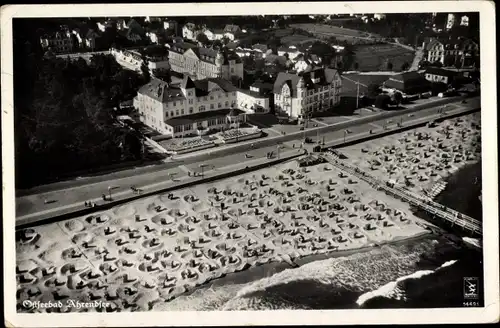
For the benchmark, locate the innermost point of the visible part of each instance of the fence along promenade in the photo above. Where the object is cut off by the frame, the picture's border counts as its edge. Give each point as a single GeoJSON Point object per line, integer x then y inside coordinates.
{"type": "Point", "coordinates": [427, 204]}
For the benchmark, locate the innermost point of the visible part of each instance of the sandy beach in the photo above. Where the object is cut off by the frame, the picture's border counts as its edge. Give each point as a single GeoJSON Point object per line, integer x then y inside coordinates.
{"type": "Point", "coordinates": [420, 158]}
{"type": "Point", "coordinates": [141, 255]}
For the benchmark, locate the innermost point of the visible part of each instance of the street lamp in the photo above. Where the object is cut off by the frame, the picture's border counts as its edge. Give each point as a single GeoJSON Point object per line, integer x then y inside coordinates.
{"type": "Point", "coordinates": [202, 166]}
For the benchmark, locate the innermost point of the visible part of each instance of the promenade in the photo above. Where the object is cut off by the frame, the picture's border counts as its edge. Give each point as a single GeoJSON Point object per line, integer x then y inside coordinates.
{"type": "Point", "coordinates": [73, 200]}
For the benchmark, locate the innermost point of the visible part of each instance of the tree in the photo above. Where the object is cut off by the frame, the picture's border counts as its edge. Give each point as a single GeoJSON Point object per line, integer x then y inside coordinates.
{"type": "Point", "coordinates": [202, 38]}
{"type": "Point", "coordinates": [449, 61]}
{"type": "Point", "coordinates": [423, 63]}
{"type": "Point", "coordinates": [437, 87]}
{"type": "Point", "coordinates": [389, 66]}
{"type": "Point", "coordinates": [436, 64]}
{"type": "Point", "coordinates": [145, 71]}
{"type": "Point", "coordinates": [382, 101]}
{"type": "Point", "coordinates": [405, 66]}
{"type": "Point", "coordinates": [163, 74]}
{"type": "Point", "coordinates": [217, 44]}
{"type": "Point", "coordinates": [323, 51]}
{"type": "Point", "coordinates": [397, 98]}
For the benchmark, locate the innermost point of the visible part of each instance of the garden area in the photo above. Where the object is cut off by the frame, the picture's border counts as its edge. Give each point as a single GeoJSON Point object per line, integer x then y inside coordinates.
{"type": "Point", "coordinates": [381, 57]}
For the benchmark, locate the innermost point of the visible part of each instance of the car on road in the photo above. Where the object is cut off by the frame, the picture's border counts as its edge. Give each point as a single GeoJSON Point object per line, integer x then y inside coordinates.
{"type": "Point", "coordinates": [411, 115]}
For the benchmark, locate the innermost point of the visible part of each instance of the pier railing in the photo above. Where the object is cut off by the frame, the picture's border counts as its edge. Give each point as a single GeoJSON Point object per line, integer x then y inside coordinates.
{"type": "Point", "coordinates": [452, 216]}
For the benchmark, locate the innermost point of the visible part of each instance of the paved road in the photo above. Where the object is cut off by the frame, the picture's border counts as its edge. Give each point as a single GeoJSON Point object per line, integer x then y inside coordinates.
{"type": "Point", "coordinates": [358, 122]}
{"type": "Point", "coordinates": [419, 54]}
{"type": "Point", "coordinates": [70, 194]}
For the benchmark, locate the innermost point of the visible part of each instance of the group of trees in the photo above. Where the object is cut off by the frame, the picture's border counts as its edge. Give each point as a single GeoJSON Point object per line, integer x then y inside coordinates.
{"type": "Point", "coordinates": [384, 100]}
{"type": "Point", "coordinates": [63, 113]}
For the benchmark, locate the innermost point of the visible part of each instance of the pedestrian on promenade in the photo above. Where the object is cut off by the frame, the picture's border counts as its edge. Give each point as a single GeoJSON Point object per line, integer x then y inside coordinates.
{"type": "Point", "coordinates": [189, 173]}
{"type": "Point", "coordinates": [86, 204]}
{"type": "Point", "coordinates": [103, 196]}
{"type": "Point", "coordinates": [293, 145]}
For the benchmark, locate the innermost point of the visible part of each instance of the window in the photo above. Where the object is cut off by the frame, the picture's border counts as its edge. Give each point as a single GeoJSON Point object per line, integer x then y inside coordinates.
{"type": "Point", "coordinates": [175, 104]}
{"type": "Point", "coordinates": [190, 110]}
{"type": "Point", "coordinates": [226, 103]}
{"type": "Point", "coordinates": [172, 113]}
{"type": "Point", "coordinates": [166, 114]}
{"type": "Point", "coordinates": [201, 108]}
{"type": "Point", "coordinates": [221, 120]}
{"type": "Point", "coordinates": [190, 101]}
{"type": "Point", "coordinates": [234, 94]}
{"type": "Point", "coordinates": [177, 129]}
{"type": "Point", "coordinates": [205, 98]}
{"type": "Point", "coordinates": [219, 105]}
{"type": "Point", "coordinates": [177, 112]}
{"type": "Point", "coordinates": [182, 111]}
{"type": "Point", "coordinates": [212, 122]}
{"type": "Point", "coordinates": [232, 70]}
{"type": "Point", "coordinates": [190, 93]}
{"type": "Point", "coordinates": [211, 106]}
{"type": "Point", "coordinates": [211, 97]}
{"type": "Point", "coordinates": [188, 127]}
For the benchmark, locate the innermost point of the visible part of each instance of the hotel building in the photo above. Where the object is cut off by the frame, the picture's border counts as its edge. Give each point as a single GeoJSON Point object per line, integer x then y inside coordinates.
{"type": "Point", "coordinates": [451, 51]}
{"type": "Point", "coordinates": [132, 60]}
{"type": "Point", "coordinates": [299, 95]}
{"type": "Point", "coordinates": [58, 42]}
{"type": "Point", "coordinates": [200, 63]}
{"type": "Point", "coordinates": [196, 106]}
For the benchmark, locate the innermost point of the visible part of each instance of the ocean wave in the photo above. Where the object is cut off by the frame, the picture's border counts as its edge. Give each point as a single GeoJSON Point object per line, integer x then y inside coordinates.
{"type": "Point", "coordinates": [381, 277]}
{"type": "Point", "coordinates": [395, 289]}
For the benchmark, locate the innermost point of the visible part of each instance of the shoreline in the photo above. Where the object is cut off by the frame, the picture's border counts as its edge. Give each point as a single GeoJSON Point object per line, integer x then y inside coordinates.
{"type": "Point", "coordinates": [255, 273]}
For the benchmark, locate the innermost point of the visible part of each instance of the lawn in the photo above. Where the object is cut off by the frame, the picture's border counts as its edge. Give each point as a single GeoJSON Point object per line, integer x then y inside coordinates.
{"type": "Point", "coordinates": [375, 57]}
{"type": "Point", "coordinates": [296, 39]}
{"type": "Point", "coordinates": [333, 30]}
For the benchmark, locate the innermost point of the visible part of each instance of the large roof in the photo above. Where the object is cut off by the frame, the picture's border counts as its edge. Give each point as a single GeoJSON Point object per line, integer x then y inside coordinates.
{"type": "Point", "coordinates": [325, 75]}
{"type": "Point", "coordinates": [161, 91]}
{"type": "Point", "coordinates": [409, 82]}
{"type": "Point", "coordinates": [440, 71]}
{"type": "Point", "coordinates": [205, 86]}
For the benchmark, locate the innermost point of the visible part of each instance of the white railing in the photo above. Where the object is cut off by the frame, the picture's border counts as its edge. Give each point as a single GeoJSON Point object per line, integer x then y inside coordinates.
{"type": "Point", "coordinates": [429, 206]}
